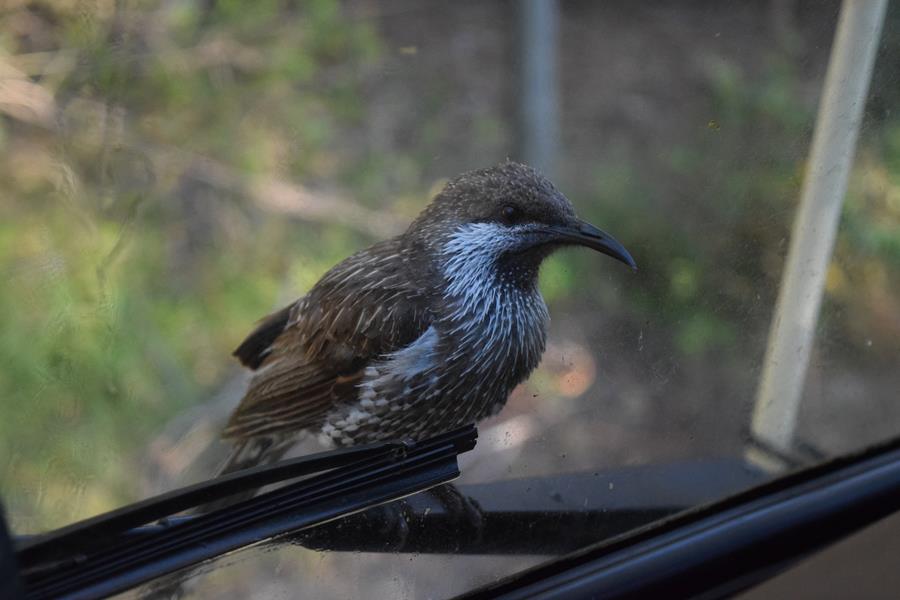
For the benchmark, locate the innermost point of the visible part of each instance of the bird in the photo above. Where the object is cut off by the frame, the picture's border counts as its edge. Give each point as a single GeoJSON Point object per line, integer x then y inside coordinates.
{"type": "Point", "coordinates": [411, 337]}
{"type": "Point", "coordinates": [418, 334]}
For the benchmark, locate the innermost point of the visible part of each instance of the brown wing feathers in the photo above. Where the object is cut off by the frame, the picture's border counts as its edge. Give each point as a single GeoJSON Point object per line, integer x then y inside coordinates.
{"type": "Point", "coordinates": [311, 355]}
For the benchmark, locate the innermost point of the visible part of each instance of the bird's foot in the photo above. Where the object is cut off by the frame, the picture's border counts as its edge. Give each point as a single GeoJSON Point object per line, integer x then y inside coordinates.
{"type": "Point", "coordinates": [467, 512]}
{"type": "Point", "coordinates": [394, 520]}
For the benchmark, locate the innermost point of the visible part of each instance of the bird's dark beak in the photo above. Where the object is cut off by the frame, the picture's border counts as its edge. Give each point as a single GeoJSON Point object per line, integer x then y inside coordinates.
{"type": "Point", "coordinates": [582, 233]}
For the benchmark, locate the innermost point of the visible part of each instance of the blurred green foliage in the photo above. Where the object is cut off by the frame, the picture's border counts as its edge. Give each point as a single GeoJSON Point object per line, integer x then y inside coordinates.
{"type": "Point", "coordinates": [125, 287]}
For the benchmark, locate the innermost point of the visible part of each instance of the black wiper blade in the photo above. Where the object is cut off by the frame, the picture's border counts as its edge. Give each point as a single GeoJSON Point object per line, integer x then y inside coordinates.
{"type": "Point", "coordinates": [98, 557]}
{"type": "Point", "coordinates": [71, 537]}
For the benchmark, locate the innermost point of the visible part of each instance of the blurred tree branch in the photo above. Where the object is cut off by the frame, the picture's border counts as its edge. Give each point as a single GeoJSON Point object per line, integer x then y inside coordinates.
{"type": "Point", "coordinates": [32, 103]}
{"type": "Point", "coordinates": [24, 100]}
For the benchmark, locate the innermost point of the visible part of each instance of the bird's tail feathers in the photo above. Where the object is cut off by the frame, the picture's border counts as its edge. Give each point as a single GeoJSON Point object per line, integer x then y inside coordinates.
{"type": "Point", "coordinates": [252, 452]}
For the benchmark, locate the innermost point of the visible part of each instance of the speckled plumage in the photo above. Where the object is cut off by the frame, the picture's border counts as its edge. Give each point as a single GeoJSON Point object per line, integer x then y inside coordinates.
{"type": "Point", "coordinates": [417, 334]}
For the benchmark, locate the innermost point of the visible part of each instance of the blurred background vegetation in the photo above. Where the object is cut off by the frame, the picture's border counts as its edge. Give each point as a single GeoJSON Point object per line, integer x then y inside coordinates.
{"type": "Point", "coordinates": [174, 169]}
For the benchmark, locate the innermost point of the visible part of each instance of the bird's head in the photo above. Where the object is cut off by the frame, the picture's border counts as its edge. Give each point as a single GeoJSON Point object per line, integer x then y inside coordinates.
{"type": "Point", "coordinates": [505, 219]}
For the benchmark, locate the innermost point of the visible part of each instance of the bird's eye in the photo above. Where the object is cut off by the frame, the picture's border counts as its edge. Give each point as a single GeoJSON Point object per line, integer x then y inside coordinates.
{"type": "Point", "coordinates": [510, 213]}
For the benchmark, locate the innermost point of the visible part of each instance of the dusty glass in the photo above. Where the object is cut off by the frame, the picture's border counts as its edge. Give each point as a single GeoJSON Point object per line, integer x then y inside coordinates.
{"type": "Point", "coordinates": [173, 171]}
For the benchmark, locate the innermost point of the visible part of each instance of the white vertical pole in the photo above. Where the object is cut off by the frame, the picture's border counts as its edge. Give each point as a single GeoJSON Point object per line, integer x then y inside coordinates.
{"type": "Point", "coordinates": [812, 241]}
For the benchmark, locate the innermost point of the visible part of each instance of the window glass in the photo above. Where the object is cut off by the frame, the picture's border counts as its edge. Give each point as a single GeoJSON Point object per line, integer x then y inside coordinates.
{"type": "Point", "coordinates": [172, 171]}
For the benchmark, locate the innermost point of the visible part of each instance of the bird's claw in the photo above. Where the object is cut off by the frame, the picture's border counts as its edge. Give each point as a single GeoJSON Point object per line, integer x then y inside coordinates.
{"type": "Point", "coordinates": [394, 524]}
{"type": "Point", "coordinates": [466, 511]}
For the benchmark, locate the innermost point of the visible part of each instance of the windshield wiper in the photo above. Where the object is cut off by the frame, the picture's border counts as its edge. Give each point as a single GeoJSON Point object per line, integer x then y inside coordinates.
{"type": "Point", "coordinates": [101, 556]}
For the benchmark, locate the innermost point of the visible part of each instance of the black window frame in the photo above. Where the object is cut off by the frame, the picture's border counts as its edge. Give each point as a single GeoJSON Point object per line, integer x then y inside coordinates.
{"type": "Point", "coordinates": [728, 546]}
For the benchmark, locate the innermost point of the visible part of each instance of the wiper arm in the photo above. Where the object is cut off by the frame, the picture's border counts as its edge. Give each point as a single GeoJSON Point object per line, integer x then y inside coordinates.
{"type": "Point", "coordinates": [97, 557]}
